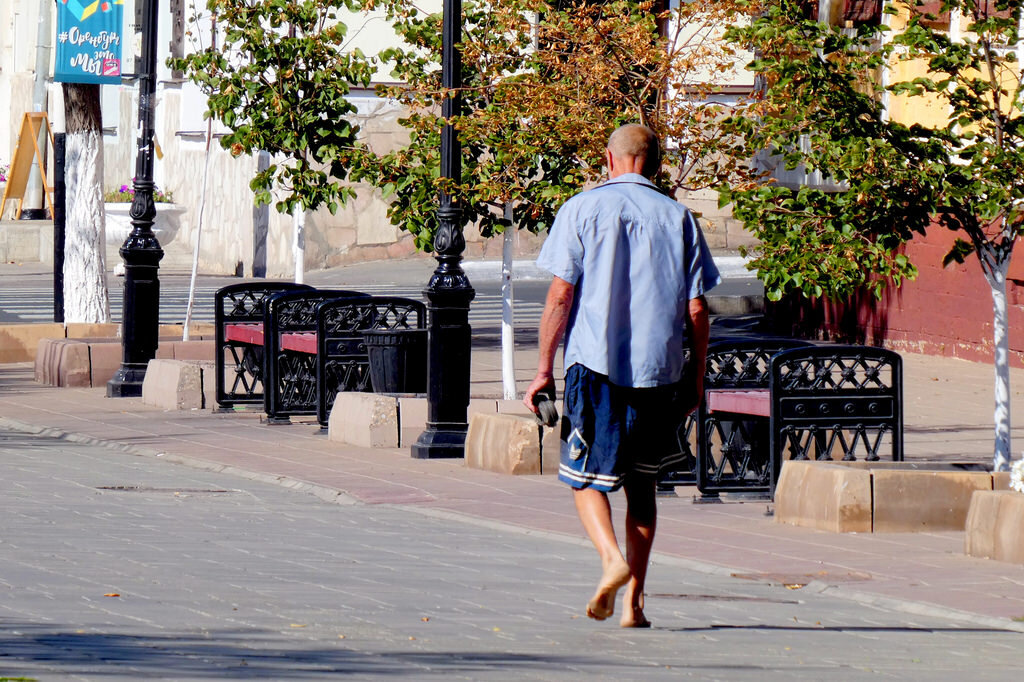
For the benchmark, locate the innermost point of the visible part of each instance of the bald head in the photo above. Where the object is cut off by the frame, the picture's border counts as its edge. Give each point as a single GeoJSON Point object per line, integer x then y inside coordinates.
{"type": "Point", "coordinates": [633, 148]}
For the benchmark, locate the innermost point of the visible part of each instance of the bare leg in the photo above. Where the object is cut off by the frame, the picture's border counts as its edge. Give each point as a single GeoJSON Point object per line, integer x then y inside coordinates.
{"type": "Point", "coordinates": [596, 515]}
{"type": "Point", "coordinates": [641, 519]}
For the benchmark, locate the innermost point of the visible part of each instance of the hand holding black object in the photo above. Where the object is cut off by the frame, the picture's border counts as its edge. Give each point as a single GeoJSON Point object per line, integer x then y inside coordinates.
{"type": "Point", "coordinates": [544, 401]}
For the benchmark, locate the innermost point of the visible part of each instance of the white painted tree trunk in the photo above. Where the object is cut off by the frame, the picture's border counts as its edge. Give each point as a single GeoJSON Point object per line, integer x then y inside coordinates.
{"type": "Point", "coordinates": [299, 245]}
{"type": "Point", "coordinates": [85, 274]}
{"type": "Point", "coordinates": [995, 274]}
{"type": "Point", "coordinates": [508, 331]}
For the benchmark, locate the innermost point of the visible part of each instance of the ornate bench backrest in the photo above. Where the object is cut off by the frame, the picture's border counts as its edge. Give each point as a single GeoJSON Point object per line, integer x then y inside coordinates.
{"type": "Point", "coordinates": [744, 364]}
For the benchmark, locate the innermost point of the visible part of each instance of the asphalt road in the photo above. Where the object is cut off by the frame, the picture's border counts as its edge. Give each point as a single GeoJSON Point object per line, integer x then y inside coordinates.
{"type": "Point", "coordinates": [26, 292]}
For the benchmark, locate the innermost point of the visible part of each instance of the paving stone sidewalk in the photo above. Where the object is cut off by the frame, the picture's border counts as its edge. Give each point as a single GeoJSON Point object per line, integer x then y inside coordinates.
{"type": "Point", "coordinates": [948, 416]}
{"type": "Point", "coordinates": [120, 566]}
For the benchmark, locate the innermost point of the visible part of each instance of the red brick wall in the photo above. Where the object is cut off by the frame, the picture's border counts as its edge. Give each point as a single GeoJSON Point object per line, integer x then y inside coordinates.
{"type": "Point", "coordinates": [945, 311]}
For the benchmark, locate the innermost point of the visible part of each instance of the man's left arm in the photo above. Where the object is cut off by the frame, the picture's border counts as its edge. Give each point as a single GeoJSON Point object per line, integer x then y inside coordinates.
{"type": "Point", "coordinates": [698, 333]}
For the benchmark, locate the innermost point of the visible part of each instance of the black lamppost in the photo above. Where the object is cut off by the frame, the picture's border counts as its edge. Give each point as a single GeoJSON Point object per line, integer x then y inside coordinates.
{"type": "Point", "coordinates": [141, 251]}
{"type": "Point", "coordinates": [448, 292]}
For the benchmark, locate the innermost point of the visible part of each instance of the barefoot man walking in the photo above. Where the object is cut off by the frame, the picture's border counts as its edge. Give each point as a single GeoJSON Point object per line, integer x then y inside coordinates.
{"type": "Point", "coordinates": [630, 271]}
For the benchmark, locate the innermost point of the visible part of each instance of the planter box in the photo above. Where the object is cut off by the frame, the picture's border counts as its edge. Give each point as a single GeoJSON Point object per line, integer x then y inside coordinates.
{"type": "Point", "coordinates": [119, 223]}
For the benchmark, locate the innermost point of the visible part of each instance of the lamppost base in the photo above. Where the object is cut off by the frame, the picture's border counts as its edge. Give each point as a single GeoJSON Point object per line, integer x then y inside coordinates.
{"type": "Point", "coordinates": [34, 214]}
{"type": "Point", "coordinates": [127, 382]}
{"type": "Point", "coordinates": [440, 443]}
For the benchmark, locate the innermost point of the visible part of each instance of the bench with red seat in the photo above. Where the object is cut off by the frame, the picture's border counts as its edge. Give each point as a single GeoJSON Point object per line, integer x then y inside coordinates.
{"type": "Point", "coordinates": [291, 347]}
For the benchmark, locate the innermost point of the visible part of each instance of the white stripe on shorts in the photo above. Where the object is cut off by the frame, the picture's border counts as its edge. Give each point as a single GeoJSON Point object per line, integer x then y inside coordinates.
{"type": "Point", "coordinates": [584, 477]}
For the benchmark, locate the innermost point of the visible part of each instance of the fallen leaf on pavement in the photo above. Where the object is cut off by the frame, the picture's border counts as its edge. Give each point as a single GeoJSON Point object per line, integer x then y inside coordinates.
{"type": "Point", "coordinates": [111, 594]}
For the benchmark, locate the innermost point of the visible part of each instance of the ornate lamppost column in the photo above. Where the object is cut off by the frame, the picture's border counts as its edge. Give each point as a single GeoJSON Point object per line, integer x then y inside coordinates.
{"type": "Point", "coordinates": [141, 251]}
{"type": "Point", "coordinates": [448, 292]}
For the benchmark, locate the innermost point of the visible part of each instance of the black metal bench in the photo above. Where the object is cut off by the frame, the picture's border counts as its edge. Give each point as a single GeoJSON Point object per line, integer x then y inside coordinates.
{"type": "Point", "coordinates": [292, 347]}
{"type": "Point", "coordinates": [290, 350]}
{"type": "Point", "coordinates": [239, 358]}
{"type": "Point", "coordinates": [343, 358]}
{"type": "Point", "coordinates": [774, 399]}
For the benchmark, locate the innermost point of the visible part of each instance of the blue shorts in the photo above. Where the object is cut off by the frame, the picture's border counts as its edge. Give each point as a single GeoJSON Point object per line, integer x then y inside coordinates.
{"type": "Point", "coordinates": [613, 432]}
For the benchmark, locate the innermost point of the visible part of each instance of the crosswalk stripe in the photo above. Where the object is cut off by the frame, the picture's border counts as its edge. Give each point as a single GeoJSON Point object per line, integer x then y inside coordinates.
{"type": "Point", "coordinates": [35, 304]}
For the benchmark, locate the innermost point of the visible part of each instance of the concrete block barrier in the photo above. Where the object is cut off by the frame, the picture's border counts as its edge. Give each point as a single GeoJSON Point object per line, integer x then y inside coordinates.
{"type": "Point", "coordinates": [412, 419]}
{"type": "Point", "coordinates": [47, 354]}
{"type": "Point", "coordinates": [104, 361]}
{"type": "Point", "coordinates": [908, 501]}
{"type": "Point", "coordinates": [18, 342]}
{"type": "Point", "coordinates": [898, 497]}
{"type": "Point", "coordinates": [365, 419]}
{"type": "Point", "coordinates": [995, 526]}
{"type": "Point", "coordinates": [823, 496]}
{"type": "Point", "coordinates": [503, 443]}
{"type": "Point", "coordinates": [176, 384]}
{"type": "Point", "coordinates": [94, 361]}
{"type": "Point", "coordinates": [63, 362]}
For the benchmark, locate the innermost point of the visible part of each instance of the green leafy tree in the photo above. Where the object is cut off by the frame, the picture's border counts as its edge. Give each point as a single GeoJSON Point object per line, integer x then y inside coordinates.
{"type": "Point", "coordinates": [543, 88]}
{"type": "Point", "coordinates": [824, 108]}
{"type": "Point", "coordinates": [277, 76]}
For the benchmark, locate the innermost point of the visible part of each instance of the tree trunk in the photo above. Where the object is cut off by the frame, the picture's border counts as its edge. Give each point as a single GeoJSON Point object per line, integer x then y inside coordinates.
{"type": "Point", "coordinates": [508, 339]}
{"type": "Point", "coordinates": [996, 277]}
{"type": "Point", "coordinates": [85, 273]}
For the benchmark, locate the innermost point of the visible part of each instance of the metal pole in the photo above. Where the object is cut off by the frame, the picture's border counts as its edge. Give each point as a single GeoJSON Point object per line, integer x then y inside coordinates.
{"type": "Point", "coordinates": [448, 292]}
{"type": "Point", "coordinates": [141, 251]}
{"type": "Point", "coordinates": [59, 223]}
{"type": "Point", "coordinates": [35, 202]}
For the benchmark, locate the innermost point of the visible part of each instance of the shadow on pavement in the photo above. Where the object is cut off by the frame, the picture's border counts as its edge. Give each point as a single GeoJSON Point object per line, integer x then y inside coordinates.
{"type": "Point", "coordinates": [244, 654]}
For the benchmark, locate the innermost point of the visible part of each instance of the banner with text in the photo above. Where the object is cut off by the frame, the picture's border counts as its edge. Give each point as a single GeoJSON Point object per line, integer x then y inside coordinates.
{"type": "Point", "coordinates": [89, 41]}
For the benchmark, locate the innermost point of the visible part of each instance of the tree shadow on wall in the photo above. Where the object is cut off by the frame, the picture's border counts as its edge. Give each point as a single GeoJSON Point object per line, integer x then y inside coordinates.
{"type": "Point", "coordinates": [860, 319]}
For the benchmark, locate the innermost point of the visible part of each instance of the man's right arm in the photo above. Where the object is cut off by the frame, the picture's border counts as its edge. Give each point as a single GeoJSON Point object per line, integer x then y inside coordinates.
{"type": "Point", "coordinates": [552, 327]}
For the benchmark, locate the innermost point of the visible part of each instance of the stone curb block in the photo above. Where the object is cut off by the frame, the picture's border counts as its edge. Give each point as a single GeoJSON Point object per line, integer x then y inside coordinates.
{"type": "Point", "coordinates": [995, 526]}
{"type": "Point", "coordinates": [364, 419]}
{"type": "Point", "coordinates": [86, 362]}
{"type": "Point", "coordinates": [511, 444]}
{"type": "Point", "coordinates": [823, 496]}
{"type": "Point", "coordinates": [177, 384]}
{"type": "Point", "coordinates": [63, 362]}
{"type": "Point", "coordinates": [18, 342]}
{"type": "Point", "coordinates": [503, 443]}
{"type": "Point", "coordinates": [861, 497]}
{"type": "Point", "coordinates": [909, 501]}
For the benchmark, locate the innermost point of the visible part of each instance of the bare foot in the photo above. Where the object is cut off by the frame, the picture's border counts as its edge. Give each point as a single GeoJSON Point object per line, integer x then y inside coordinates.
{"type": "Point", "coordinates": [634, 618]}
{"type": "Point", "coordinates": [633, 613]}
{"type": "Point", "coordinates": [602, 604]}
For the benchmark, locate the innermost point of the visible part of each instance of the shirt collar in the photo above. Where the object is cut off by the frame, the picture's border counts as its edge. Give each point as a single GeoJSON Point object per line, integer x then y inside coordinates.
{"type": "Point", "coordinates": [631, 178]}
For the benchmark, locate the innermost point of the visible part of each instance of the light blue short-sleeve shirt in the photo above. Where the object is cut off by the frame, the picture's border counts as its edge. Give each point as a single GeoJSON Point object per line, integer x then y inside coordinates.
{"type": "Point", "coordinates": [636, 257]}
